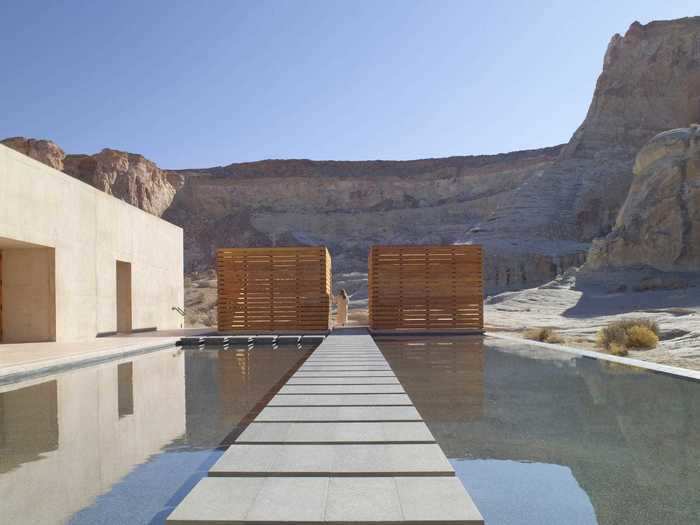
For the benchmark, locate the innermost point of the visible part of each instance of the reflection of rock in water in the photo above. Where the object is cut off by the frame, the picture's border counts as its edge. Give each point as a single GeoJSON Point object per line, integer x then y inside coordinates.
{"type": "Point", "coordinates": [223, 386]}
{"type": "Point", "coordinates": [444, 376]}
{"type": "Point", "coordinates": [28, 424]}
{"type": "Point", "coordinates": [631, 439]}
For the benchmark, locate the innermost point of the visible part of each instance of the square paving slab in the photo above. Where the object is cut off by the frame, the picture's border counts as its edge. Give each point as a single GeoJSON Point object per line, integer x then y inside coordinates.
{"type": "Point", "coordinates": [346, 360]}
{"type": "Point", "coordinates": [340, 400]}
{"type": "Point", "coordinates": [357, 432]}
{"type": "Point", "coordinates": [341, 389]}
{"type": "Point", "coordinates": [337, 500]}
{"type": "Point", "coordinates": [320, 414]}
{"type": "Point", "coordinates": [345, 368]}
{"type": "Point", "coordinates": [333, 460]}
{"type": "Point", "coordinates": [386, 380]}
{"type": "Point", "coordinates": [346, 373]}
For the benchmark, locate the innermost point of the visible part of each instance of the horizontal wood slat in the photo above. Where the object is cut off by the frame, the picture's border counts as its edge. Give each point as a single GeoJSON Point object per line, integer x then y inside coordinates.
{"type": "Point", "coordinates": [426, 288]}
{"type": "Point", "coordinates": [274, 289]}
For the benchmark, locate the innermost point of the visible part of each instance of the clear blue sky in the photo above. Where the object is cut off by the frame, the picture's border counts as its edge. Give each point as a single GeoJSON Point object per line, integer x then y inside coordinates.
{"type": "Point", "coordinates": [204, 83]}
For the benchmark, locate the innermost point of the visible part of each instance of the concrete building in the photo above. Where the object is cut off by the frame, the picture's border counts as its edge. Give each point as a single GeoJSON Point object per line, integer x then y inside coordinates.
{"type": "Point", "coordinates": [76, 263]}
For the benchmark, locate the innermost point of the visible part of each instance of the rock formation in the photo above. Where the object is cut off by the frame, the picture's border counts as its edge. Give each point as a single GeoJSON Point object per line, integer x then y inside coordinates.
{"type": "Point", "coordinates": [127, 176]}
{"type": "Point", "coordinates": [347, 206]}
{"type": "Point", "coordinates": [44, 151]}
{"type": "Point", "coordinates": [650, 83]}
{"type": "Point", "coordinates": [536, 212]}
{"type": "Point", "coordinates": [659, 223]}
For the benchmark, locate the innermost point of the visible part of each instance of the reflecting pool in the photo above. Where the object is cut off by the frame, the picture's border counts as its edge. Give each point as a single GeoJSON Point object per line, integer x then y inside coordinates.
{"type": "Point", "coordinates": [124, 441]}
{"type": "Point", "coordinates": [542, 437]}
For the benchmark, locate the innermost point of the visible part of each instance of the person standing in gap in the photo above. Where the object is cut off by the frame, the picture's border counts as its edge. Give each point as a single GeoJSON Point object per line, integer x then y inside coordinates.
{"type": "Point", "coordinates": [342, 301]}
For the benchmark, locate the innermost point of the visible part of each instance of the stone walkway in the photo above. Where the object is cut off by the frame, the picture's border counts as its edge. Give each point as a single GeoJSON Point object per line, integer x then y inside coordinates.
{"type": "Point", "coordinates": [341, 442]}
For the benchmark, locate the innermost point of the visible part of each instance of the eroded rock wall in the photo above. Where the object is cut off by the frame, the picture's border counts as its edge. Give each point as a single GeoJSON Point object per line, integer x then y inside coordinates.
{"type": "Point", "coordinates": [659, 224]}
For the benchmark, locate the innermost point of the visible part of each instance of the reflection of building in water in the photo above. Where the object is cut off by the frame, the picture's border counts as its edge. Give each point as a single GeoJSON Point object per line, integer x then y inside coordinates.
{"type": "Point", "coordinates": [223, 386]}
{"type": "Point", "coordinates": [28, 424]}
{"type": "Point", "coordinates": [443, 375]}
{"type": "Point", "coordinates": [68, 439]}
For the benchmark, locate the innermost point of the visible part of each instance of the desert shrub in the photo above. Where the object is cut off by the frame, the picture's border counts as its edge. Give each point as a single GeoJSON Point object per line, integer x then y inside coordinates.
{"type": "Point", "coordinates": [628, 333]}
{"type": "Point", "coordinates": [617, 349]}
{"type": "Point", "coordinates": [641, 337]}
{"type": "Point", "coordinates": [545, 335]}
{"type": "Point", "coordinates": [613, 334]}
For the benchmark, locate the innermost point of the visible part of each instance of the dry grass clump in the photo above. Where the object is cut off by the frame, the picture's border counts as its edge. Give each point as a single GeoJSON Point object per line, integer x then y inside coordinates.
{"type": "Point", "coordinates": [544, 335]}
{"type": "Point", "coordinates": [618, 336]}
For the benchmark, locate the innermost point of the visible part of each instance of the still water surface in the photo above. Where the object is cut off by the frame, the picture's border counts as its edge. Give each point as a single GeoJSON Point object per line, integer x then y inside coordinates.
{"type": "Point", "coordinates": [536, 436]}
{"type": "Point", "coordinates": [539, 437]}
{"type": "Point", "coordinates": [125, 441]}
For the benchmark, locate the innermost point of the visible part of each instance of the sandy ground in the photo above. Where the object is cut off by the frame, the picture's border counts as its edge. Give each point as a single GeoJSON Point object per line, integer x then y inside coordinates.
{"type": "Point", "coordinates": [578, 312]}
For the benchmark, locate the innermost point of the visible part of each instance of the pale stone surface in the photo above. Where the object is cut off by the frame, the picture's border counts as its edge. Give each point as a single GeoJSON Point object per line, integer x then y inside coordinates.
{"type": "Point", "coordinates": [358, 432]}
{"type": "Point", "coordinates": [345, 373]}
{"type": "Point", "coordinates": [442, 499]}
{"type": "Point", "coordinates": [345, 500]}
{"type": "Point", "coordinates": [363, 500]}
{"type": "Point", "coordinates": [333, 460]}
{"type": "Point", "coordinates": [377, 413]}
{"type": "Point", "coordinates": [340, 400]}
{"type": "Point", "coordinates": [15, 360]}
{"type": "Point", "coordinates": [384, 380]}
{"type": "Point", "coordinates": [344, 368]}
{"type": "Point", "coordinates": [341, 389]}
{"type": "Point", "coordinates": [88, 231]}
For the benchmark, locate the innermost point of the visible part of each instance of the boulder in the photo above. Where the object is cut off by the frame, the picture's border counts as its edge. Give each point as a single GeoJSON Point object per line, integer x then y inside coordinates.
{"type": "Point", "coordinates": [42, 150]}
{"type": "Point", "coordinates": [659, 224]}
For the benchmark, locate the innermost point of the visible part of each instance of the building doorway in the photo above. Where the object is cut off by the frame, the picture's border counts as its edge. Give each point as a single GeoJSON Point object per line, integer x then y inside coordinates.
{"type": "Point", "coordinates": [123, 297]}
{"type": "Point", "coordinates": [27, 292]}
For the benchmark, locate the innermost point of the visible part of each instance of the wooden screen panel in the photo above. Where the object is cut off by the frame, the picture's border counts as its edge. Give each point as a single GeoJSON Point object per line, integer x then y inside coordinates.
{"type": "Point", "coordinates": [426, 288]}
{"type": "Point", "coordinates": [273, 289]}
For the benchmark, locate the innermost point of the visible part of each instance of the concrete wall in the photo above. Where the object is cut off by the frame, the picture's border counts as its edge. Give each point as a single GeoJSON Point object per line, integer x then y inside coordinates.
{"type": "Point", "coordinates": [88, 232]}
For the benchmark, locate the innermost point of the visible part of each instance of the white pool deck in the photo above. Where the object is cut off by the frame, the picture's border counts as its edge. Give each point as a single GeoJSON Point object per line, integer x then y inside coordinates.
{"type": "Point", "coordinates": [341, 442]}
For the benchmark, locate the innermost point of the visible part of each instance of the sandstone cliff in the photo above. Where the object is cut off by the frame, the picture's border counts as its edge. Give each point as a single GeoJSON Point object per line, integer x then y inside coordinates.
{"type": "Point", "coordinates": [659, 224]}
{"type": "Point", "coordinates": [345, 205]}
{"type": "Point", "coordinates": [127, 176]}
{"type": "Point", "coordinates": [536, 212]}
{"type": "Point", "coordinates": [650, 83]}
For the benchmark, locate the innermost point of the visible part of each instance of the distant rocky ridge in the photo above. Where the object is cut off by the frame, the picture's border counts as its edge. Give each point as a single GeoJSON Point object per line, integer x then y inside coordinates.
{"type": "Point", "coordinates": [536, 212]}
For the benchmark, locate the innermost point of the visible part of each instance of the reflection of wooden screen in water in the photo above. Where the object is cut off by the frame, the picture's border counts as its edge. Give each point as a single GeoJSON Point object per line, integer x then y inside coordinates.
{"type": "Point", "coordinates": [444, 376]}
{"type": "Point", "coordinates": [28, 424]}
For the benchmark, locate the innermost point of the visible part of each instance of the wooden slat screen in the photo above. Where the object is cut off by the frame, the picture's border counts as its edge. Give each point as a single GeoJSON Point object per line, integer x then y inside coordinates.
{"type": "Point", "coordinates": [426, 288]}
{"type": "Point", "coordinates": [274, 289]}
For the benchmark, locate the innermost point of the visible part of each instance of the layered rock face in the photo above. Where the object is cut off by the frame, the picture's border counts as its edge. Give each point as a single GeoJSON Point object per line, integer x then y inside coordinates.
{"type": "Point", "coordinates": [127, 176]}
{"type": "Point", "coordinates": [536, 212]}
{"type": "Point", "coordinates": [659, 224]}
{"type": "Point", "coordinates": [347, 206]}
{"type": "Point", "coordinates": [650, 83]}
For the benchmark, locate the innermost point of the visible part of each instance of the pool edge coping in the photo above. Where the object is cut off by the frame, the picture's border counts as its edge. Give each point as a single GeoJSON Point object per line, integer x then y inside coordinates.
{"type": "Point", "coordinates": [16, 373]}
{"type": "Point", "coordinates": [685, 373]}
